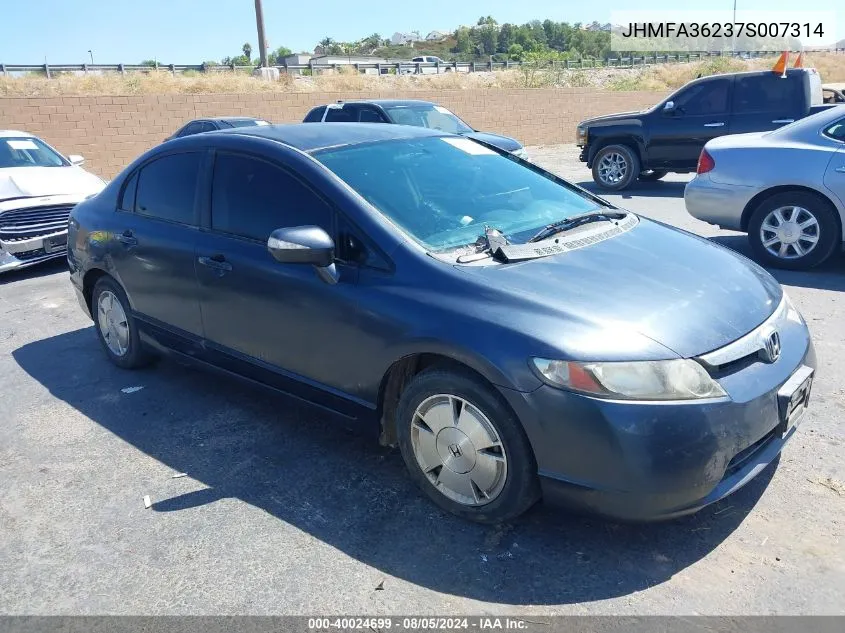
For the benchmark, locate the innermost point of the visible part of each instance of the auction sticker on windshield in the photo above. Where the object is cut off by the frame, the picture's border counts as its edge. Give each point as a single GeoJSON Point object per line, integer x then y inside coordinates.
{"type": "Point", "coordinates": [470, 147]}
{"type": "Point", "coordinates": [18, 144]}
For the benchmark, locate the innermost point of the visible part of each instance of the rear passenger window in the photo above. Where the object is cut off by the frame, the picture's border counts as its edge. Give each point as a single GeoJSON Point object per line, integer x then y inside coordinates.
{"type": "Point", "coordinates": [315, 116]}
{"type": "Point", "coordinates": [252, 198]}
{"type": "Point", "coordinates": [369, 115]}
{"type": "Point", "coordinates": [767, 93]}
{"type": "Point", "coordinates": [167, 188]}
{"type": "Point", "coordinates": [127, 198]}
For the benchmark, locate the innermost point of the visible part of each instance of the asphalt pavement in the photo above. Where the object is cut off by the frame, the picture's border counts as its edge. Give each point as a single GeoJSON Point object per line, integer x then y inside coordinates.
{"type": "Point", "coordinates": [283, 511]}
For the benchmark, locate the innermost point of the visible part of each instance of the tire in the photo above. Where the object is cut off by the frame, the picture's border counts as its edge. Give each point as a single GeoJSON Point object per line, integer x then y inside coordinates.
{"type": "Point", "coordinates": [487, 486]}
{"type": "Point", "coordinates": [796, 208]}
{"type": "Point", "coordinates": [107, 321]}
{"type": "Point", "coordinates": [652, 175]}
{"type": "Point", "coordinates": [616, 167]}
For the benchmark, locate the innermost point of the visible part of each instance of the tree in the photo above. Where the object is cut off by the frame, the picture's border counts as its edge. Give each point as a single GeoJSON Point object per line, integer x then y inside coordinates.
{"type": "Point", "coordinates": [487, 37]}
{"type": "Point", "coordinates": [463, 42]}
{"type": "Point", "coordinates": [247, 49]}
{"type": "Point", "coordinates": [515, 52]}
{"type": "Point", "coordinates": [150, 62]}
{"type": "Point", "coordinates": [275, 58]}
{"type": "Point", "coordinates": [507, 37]}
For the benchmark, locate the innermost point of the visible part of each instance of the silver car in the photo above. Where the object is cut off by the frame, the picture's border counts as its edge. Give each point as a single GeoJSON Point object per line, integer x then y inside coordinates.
{"type": "Point", "coordinates": [785, 188]}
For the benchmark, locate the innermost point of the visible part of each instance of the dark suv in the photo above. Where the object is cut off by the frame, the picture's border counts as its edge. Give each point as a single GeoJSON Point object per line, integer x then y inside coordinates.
{"type": "Point", "coordinates": [511, 333]}
{"type": "Point", "coordinates": [408, 112]}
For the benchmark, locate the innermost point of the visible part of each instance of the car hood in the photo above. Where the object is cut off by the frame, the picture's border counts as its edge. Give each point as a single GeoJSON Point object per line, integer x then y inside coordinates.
{"type": "Point", "coordinates": [612, 118]}
{"type": "Point", "coordinates": [681, 291]}
{"type": "Point", "coordinates": [30, 182]}
{"type": "Point", "coordinates": [502, 142]}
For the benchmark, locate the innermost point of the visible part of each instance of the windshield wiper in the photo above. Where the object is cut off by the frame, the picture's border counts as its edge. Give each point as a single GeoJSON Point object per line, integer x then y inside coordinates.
{"type": "Point", "coordinates": [576, 220]}
{"type": "Point", "coordinates": [488, 244]}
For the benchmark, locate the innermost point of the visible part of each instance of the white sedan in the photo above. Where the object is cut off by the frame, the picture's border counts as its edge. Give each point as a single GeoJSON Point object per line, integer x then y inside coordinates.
{"type": "Point", "coordinates": [785, 188]}
{"type": "Point", "coordinates": [38, 188]}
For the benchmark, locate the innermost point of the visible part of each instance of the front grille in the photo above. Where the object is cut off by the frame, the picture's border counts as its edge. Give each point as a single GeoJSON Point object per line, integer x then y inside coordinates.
{"type": "Point", "coordinates": [25, 224]}
{"type": "Point", "coordinates": [742, 457]}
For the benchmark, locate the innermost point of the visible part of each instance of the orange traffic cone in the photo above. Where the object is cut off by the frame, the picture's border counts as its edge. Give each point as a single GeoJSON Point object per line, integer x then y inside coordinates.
{"type": "Point", "coordinates": [780, 67]}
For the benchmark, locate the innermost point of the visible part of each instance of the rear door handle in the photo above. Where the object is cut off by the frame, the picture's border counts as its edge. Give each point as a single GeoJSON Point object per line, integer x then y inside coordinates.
{"type": "Point", "coordinates": [127, 238]}
{"type": "Point", "coordinates": [784, 121]}
{"type": "Point", "coordinates": [718, 124]}
{"type": "Point", "coordinates": [841, 170]}
{"type": "Point", "coordinates": [216, 262]}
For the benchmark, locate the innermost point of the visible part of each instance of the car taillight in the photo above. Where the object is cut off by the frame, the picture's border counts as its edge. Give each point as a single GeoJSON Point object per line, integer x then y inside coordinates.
{"type": "Point", "coordinates": [705, 162]}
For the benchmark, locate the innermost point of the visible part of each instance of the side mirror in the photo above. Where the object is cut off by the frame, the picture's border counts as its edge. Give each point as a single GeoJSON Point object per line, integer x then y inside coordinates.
{"type": "Point", "coordinates": [76, 159]}
{"type": "Point", "coordinates": [305, 245]}
{"type": "Point", "coordinates": [669, 107]}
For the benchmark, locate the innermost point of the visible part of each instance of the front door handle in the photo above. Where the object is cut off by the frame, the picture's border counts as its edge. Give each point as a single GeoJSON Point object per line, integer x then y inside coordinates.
{"type": "Point", "coordinates": [717, 124]}
{"type": "Point", "coordinates": [784, 121]}
{"type": "Point", "coordinates": [216, 262]}
{"type": "Point", "coordinates": [841, 170]}
{"type": "Point", "coordinates": [127, 238]}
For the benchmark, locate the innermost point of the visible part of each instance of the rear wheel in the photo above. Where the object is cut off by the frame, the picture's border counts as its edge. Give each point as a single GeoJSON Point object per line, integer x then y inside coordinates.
{"type": "Point", "coordinates": [652, 175]}
{"type": "Point", "coordinates": [795, 230]}
{"type": "Point", "coordinates": [116, 329]}
{"type": "Point", "coordinates": [465, 448]}
{"type": "Point", "coordinates": [616, 167]}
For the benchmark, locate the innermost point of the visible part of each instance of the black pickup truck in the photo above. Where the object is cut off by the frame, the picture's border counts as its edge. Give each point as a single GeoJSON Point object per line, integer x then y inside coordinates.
{"type": "Point", "coordinates": [620, 148]}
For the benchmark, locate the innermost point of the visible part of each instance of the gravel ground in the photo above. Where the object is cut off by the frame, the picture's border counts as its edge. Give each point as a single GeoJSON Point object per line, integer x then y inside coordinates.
{"type": "Point", "coordinates": [283, 512]}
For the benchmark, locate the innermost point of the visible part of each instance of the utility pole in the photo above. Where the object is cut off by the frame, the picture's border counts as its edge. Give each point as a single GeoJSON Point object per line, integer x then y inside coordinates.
{"type": "Point", "coordinates": [733, 43]}
{"type": "Point", "coordinates": [262, 43]}
{"type": "Point", "coordinates": [92, 57]}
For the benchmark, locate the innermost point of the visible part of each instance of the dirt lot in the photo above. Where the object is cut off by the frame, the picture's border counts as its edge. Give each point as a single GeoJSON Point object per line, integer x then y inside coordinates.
{"type": "Point", "coordinates": [283, 512]}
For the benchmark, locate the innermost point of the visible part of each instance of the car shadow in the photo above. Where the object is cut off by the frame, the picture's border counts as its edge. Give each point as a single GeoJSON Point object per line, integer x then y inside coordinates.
{"type": "Point", "coordinates": [342, 488]}
{"type": "Point", "coordinates": [44, 269]}
{"type": "Point", "coordinates": [827, 276]}
{"type": "Point", "coordinates": [669, 189]}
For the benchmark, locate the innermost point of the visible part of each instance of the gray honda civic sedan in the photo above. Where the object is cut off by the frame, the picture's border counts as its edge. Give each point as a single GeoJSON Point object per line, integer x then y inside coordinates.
{"type": "Point", "coordinates": [514, 335]}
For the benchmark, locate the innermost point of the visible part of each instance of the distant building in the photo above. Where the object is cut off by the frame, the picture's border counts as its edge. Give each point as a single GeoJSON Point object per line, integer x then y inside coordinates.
{"type": "Point", "coordinates": [296, 59]}
{"type": "Point", "coordinates": [436, 36]}
{"type": "Point", "coordinates": [405, 39]}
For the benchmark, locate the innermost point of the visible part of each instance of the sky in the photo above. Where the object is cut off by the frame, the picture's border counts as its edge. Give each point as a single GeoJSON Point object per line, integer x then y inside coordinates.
{"type": "Point", "coordinates": [192, 31]}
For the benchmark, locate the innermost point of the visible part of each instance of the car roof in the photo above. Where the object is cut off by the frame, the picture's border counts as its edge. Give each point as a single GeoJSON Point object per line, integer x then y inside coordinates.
{"type": "Point", "coordinates": [391, 102]}
{"type": "Point", "coordinates": [15, 133]}
{"type": "Point", "coordinates": [226, 118]}
{"type": "Point", "coordinates": [308, 137]}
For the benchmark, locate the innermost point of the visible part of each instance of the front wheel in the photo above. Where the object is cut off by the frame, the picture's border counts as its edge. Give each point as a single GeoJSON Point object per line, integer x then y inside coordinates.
{"type": "Point", "coordinates": [465, 448]}
{"type": "Point", "coordinates": [796, 230]}
{"type": "Point", "coordinates": [616, 167]}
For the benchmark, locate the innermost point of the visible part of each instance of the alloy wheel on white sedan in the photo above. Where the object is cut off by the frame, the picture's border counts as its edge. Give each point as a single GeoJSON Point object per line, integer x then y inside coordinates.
{"type": "Point", "coordinates": [789, 232]}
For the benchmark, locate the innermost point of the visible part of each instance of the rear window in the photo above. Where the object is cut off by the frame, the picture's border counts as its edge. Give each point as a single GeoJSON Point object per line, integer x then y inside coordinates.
{"type": "Point", "coordinates": [315, 116]}
{"type": "Point", "coordinates": [342, 115]}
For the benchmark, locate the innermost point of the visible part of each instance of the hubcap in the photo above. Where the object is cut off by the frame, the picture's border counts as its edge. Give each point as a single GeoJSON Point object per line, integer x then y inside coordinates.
{"type": "Point", "coordinates": [789, 232]}
{"type": "Point", "coordinates": [112, 322]}
{"type": "Point", "coordinates": [459, 450]}
{"type": "Point", "coordinates": [613, 168]}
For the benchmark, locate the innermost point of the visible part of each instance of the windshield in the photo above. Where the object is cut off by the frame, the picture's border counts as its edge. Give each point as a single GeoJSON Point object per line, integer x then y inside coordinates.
{"type": "Point", "coordinates": [27, 151]}
{"type": "Point", "coordinates": [443, 191]}
{"type": "Point", "coordinates": [427, 115]}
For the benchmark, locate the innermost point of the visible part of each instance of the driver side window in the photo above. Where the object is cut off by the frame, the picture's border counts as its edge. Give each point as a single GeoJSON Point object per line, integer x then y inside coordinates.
{"type": "Point", "coordinates": [251, 198]}
{"type": "Point", "coordinates": [709, 97]}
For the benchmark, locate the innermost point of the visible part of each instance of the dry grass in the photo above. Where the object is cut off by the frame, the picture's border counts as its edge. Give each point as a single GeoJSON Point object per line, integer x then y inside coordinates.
{"type": "Point", "coordinates": [658, 78]}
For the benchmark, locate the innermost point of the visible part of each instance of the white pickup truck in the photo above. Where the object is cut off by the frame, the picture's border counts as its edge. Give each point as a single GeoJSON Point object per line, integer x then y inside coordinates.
{"type": "Point", "coordinates": [425, 65]}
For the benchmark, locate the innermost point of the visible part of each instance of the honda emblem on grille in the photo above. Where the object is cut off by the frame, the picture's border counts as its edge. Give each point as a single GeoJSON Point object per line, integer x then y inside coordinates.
{"type": "Point", "coordinates": [771, 346]}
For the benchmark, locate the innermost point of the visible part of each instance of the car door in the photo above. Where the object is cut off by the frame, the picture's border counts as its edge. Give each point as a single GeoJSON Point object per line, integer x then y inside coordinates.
{"type": "Point", "coordinates": [156, 227]}
{"type": "Point", "coordinates": [834, 177]}
{"type": "Point", "coordinates": [280, 320]}
{"type": "Point", "coordinates": [763, 102]}
{"type": "Point", "coordinates": [699, 113]}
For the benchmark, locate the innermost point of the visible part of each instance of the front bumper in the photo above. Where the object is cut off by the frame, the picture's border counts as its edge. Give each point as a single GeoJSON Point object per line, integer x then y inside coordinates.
{"type": "Point", "coordinates": [642, 461]}
{"type": "Point", "coordinates": [716, 203]}
{"type": "Point", "coordinates": [28, 252]}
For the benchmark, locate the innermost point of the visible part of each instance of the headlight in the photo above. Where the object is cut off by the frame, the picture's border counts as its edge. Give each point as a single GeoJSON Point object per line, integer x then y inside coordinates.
{"type": "Point", "coordinates": [791, 311]}
{"type": "Point", "coordinates": [679, 379]}
{"type": "Point", "coordinates": [521, 153]}
{"type": "Point", "coordinates": [580, 135]}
